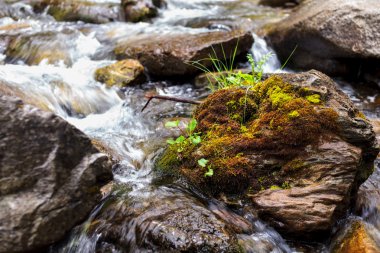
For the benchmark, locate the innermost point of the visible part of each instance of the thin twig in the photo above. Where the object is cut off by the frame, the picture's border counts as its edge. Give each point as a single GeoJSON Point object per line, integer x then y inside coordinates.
{"type": "Point", "coordinates": [181, 100]}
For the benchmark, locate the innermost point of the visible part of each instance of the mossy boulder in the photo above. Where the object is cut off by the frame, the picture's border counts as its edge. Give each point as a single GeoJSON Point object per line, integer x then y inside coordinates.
{"type": "Point", "coordinates": [121, 73]}
{"type": "Point", "coordinates": [284, 144]}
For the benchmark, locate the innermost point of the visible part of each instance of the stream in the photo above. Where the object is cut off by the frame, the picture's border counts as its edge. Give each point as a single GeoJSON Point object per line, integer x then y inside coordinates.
{"type": "Point", "coordinates": [113, 117]}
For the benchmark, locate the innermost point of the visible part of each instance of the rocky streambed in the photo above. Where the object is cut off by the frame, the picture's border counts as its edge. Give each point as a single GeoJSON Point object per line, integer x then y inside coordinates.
{"type": "Point", "coordinates": [283, 164]}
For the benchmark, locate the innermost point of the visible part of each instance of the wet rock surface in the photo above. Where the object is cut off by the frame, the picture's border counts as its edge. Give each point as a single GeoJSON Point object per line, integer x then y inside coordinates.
{"type": "Point", "coordinates": [336, 37]}
{"type": "Point", "coordinates": [50, 177]}
{"type": "Point", "coordinates": [140, 10]}
{"type": "Point", "coordinates": [297, 147]}
{"type": "Point", "coordinates": [51, 47]}
{"type": "Point", "coordinates": [356, 237]}
{"type": "Point", "coordinates": [121, 73]}
{"type": "Point", "coordinates": [368, 199]}
{"type": "Point", "coordinates": [167, 221]}
{"type": "Point", "coordinates": [172, 54]}
{"type": "Point", "coordinates": [82, 10]}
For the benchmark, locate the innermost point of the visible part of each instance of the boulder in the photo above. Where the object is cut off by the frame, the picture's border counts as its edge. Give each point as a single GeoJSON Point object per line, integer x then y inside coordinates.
{"type": "Point", "coordinates": [356, 237]}
{"type": "Point", "coordinates": [337, 37]}
{"type": "Point", "coordinates": [172, 54]}
{"type": "Point", "coordinates": [50, 177]}
{"type": "Point", "coordinates": [140, 10]}
{"type": "Point", "coordinates": [122, 73]}
{"type": "Point", "coordinates": [294, 145]}
{"type": "Point", "coordinates": [80, 10]}
{"type": "Point", "coordinates": [164, 219]}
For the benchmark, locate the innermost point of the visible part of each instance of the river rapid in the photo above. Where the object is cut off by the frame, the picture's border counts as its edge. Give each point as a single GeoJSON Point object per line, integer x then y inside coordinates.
{"type": "Point", "coordinates": [113, 117]}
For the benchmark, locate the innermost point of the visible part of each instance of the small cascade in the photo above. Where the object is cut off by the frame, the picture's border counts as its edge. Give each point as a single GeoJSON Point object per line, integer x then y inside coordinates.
{"type": "Point", "coordinates": [261, 49]}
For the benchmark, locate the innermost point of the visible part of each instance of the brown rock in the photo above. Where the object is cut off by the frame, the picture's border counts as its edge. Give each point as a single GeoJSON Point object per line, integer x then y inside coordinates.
{"type": "Point", "coordinates": [319, 190]}
{"type": "Point", "coordinates": [333, 36]}
{"type": "Point", "coordinates": [80, 10]}
{"type": "Point", "coordinates": [122, 73]}
{"type": "Point", "coordinates": [170, 55]}
{"type": "Point", "coordinates": [50, 177]}
{"type": "Point", "coordinates": [140, 10]}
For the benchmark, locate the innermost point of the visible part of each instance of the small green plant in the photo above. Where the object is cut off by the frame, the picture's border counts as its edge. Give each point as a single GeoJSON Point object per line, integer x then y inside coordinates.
{"type": "Point", "coordinates": [188, 134]}
{"type": "Point", "coordinates": [203, 163]}
{"type": "Point", "coordinates": [191, 137]}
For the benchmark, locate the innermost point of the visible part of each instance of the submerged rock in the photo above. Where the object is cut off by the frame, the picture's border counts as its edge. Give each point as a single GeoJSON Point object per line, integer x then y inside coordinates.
{"type": "Point", "coordinates": [356, 237]}
{"type": "Point", "coordinates": [52, 47]}
{"type": "Point", "coordinates": [80, 10]}
{"type": "Point", "coordinates": [172, 54]}
{"type": "Point", "coordinates": [140, 10]}
{"type": "Point", "coordinates": [294, 145]}
{"type": "Point", "coordinates": [121, 73]}
{"type": "Point", "coordinates": [166, 220]}
{"type": "Point", "coordinates": [50, 177]}
{"type": "Point", "coordinates": [337, 37]}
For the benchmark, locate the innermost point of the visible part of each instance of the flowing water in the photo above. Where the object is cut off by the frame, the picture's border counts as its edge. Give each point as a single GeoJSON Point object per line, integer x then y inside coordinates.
{"type": "Point", "coordinates": [54, 71]}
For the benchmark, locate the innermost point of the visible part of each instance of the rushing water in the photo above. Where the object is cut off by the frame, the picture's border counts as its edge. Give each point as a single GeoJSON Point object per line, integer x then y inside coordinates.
{"type": "Point", "coordinates": [65, 85]}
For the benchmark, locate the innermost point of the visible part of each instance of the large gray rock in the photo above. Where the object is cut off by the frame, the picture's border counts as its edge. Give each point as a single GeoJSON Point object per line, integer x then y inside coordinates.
{"type": "Point", "coordinates": [50, 176]}
{"type": "Point", "coordinates": [333, 36]}
{"type": "Point", "coordinates": [172, 54]}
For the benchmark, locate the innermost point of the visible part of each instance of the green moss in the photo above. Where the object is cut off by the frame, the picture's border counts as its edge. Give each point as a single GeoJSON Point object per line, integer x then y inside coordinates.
{"type": "Point", "coordinates": [278, 97]}
{"type": "Point", "coordinates": [275, 187]}
{"type": "Point", "coordinates": [243, 128]}
{"type": "Point", "coordinates": [314, 99]}
{"type": "Point", "coordinates": [294, 114]}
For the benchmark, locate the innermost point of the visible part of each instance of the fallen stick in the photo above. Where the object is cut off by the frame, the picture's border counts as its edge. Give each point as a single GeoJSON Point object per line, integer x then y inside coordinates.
{"type": "Point", "coordinates": [181, 100]}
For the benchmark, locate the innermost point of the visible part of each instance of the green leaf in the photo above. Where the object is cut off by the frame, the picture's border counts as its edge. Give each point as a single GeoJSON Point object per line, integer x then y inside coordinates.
{"type": "Point", "coordinates": [192, 125]}
{"type": "Point", "coordinates": [170, 141]}
{"type": "Point", "coordinates": [202, 162]}
{"type": "Point", "coordinates": [210, 172]}
{"type": "Point", "coordinates": [180, 139]}
{"type": "Point", "coordinates": [195, 139]}
{"type": "Point", "coordinates": [170, 124]}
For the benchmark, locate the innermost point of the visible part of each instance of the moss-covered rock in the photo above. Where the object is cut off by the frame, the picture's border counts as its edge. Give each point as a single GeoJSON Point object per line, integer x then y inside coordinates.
{"type": "Point", "coordinates": [121, 73]}
{"type": "Point", "coordinates": [272, 140]}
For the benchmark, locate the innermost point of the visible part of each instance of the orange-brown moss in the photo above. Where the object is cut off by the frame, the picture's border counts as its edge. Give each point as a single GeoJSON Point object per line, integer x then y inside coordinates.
{"type": "Point", "coordinates": [250, 136]}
